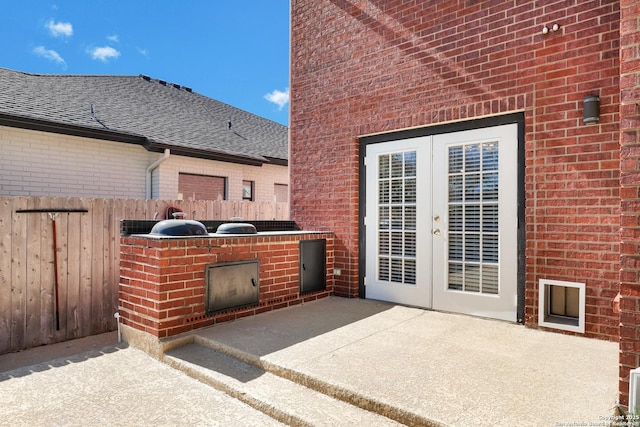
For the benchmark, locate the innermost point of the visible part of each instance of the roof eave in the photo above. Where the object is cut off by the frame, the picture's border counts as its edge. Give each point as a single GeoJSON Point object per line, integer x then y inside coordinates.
{"type": "Point", "coordinates": [205, 154]}
{"type": "Point", "coordinates": [30, 123]}
{"type": "Point", "coordinates": [277, 161]}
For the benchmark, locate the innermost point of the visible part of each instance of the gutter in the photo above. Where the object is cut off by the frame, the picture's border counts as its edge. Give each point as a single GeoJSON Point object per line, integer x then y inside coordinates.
{"type": "Point", "coordinates": [41, 125]}
{"type": "Point", "coordinates": [244, 159]}
{"type": "Point", "coordinates": [149, 171]}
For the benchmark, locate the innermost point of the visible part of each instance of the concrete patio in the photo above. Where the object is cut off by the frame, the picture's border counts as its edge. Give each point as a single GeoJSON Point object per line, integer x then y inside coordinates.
{"type": "Point", "coordinates": [342, 362]}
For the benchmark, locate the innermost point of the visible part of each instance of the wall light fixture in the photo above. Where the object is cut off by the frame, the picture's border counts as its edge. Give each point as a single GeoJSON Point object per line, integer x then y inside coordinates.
{"type": "Point", "coordinates": [591, 110]}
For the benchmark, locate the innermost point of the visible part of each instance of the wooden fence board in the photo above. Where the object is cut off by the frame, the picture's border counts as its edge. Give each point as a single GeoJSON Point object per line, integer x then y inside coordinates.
{"type": "Point", "coordinates": [61, 269]}
{"type": "Point", "coordinates": [130, 209]}
{"type": "Point", "coordinates": [47, 325]}
{"type": "Point", "coordinates": [32, 274]}
{"type": "Point", "coordinates": [118, 214]}
{"type": "Point", "coordinates": [18, 273]}
{"type": "Point", "coordinates": [108, 309]}
{"type": "Point", "coordinates": [6, 213]}
{"type": "Point", "coordinates": [159, 206]}
{"type": "Point", "coordinates": [97, 265]}
{"type": "Point", "coordinates": [86, 275]}
{"type": "Point", "coordinates": [74, 307]}
{"type": "Point", "coordinates": [216, 209]}
{"type": "Point", "coordinates": [141, 209]}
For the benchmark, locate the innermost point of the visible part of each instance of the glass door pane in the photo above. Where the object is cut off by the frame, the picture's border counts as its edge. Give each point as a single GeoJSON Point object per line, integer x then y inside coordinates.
{"type": "Point", "coordinates": [396, 228]}
{"type": "Point", "coordinates": [472, 204]}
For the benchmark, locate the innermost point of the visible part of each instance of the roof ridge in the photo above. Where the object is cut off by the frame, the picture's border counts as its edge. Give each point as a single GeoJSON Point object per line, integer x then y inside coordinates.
{"type": "Point", "coordinates": [165, 83]}
{"type": "Point", "coordinates": [130, 76]}
{"type": "Point", "coordinates": [65, 75]}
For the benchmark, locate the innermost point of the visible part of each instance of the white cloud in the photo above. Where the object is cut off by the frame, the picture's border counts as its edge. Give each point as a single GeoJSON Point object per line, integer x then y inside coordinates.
{"type": "Point", "coordinates": [114, 38]}
{"type": "Point", "coordinates": [104, 54]}
{"type": "Point", "coordinates": [278, 97]}
{"type": "Point", "coordinates": [59, 29]}
{"type": "Point", "coordinates": [143, 52]}
{"type": "Point", "coordinates": [51, 55]}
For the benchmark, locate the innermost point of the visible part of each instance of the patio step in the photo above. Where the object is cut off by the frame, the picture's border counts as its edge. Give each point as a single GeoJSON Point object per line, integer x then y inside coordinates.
{"type": "Point", "coordinates": [286, 401]}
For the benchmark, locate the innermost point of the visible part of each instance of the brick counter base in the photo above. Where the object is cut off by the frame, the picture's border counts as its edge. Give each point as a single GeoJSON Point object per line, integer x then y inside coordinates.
{"type": "Point", "coordinates": [162, 280]}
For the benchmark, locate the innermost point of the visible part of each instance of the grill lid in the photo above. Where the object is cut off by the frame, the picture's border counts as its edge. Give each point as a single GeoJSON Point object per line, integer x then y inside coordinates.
{"type": "Point", "coordinates": [179, 227]}
{"type": "Point", "coordinates": [236, 228]}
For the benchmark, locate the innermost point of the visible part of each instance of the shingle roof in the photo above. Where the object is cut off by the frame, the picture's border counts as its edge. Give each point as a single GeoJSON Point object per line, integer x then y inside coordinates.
{"type": "Point", "coordinates": [163, 115]}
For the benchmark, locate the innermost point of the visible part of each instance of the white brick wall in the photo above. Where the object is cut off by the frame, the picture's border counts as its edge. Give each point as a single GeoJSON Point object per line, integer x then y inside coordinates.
{"type": "Point", "coordinates": [34, 163]}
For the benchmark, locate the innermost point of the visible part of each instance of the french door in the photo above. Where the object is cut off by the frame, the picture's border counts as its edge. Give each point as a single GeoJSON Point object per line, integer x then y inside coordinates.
{"type": "Point", "coordinates": [441, 222]}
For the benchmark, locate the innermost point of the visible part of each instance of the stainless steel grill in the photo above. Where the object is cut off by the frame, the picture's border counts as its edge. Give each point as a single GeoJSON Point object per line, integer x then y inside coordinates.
{"type": "Point", "coordinates": [179, 227]}
{"type": "Point", "coordinates": [236, 228]}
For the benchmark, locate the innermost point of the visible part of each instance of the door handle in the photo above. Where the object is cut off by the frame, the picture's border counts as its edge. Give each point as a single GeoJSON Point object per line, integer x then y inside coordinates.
{"type": "Point", "coordinates": [436, 231]}
{"type": "Point", "coordinates": [436, 218]}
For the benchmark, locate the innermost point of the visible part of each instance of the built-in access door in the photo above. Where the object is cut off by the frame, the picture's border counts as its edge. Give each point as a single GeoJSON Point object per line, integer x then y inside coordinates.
{"type": "Point", "coordinates": [441, 222]}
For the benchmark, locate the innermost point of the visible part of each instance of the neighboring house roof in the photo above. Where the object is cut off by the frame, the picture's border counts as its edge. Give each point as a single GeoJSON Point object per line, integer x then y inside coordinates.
{"type": "Point", "coordinates": [140, 110]}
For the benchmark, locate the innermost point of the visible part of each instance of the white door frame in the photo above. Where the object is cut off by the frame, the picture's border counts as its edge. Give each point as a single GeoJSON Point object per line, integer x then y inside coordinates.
{"type": "Point", "coordinates": [436, 258]}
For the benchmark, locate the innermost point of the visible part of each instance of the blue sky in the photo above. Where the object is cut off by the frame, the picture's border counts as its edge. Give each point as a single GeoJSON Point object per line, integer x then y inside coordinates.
{"type": "Point", "coordinates": [231, 50]}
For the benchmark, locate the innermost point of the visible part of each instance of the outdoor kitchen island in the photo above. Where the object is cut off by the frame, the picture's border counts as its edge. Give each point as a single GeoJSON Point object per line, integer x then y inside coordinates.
{"type": "Point", "coordinates": [171, 285]}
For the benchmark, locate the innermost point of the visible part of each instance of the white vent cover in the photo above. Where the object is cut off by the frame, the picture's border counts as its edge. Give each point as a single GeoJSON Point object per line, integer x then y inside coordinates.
{"type": "Point", "coordinates": [634, 390]}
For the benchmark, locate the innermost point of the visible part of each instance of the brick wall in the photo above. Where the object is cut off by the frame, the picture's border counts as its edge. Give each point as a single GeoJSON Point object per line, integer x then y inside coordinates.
{"type": "Point", "coordinates": [36, 163]}
{"type": "Point", "coordinates": [367, 67]}
{"type": "Point", "coordinates": [629, 193]}
{"type": "Point", "coordinates": [162, 289]}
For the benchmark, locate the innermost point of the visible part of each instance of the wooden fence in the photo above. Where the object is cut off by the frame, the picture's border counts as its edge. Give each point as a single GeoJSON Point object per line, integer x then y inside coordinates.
{"type": "Point", "coordinates": [87, 259]}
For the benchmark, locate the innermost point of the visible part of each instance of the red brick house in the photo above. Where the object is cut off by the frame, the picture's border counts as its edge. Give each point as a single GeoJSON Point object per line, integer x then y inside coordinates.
{"type": "Point", "coordinates": [458, 151]}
